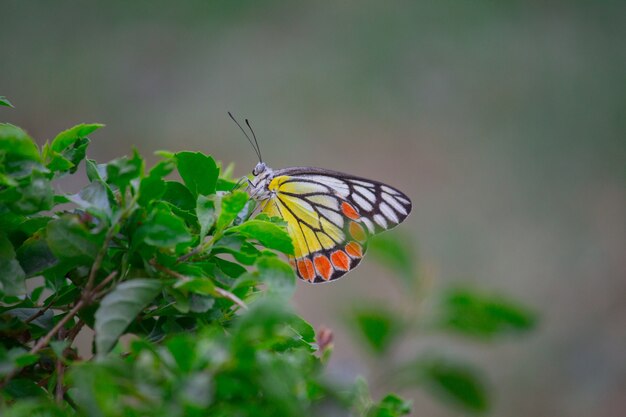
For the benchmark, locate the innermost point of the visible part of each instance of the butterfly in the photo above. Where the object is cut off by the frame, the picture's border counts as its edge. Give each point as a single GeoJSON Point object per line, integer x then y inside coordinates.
{"type": "Point", "coordinates": [329, 215]}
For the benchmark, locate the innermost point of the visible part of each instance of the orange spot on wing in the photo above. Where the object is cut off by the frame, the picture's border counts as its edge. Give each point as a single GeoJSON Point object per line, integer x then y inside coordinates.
{"type": "Point", "coordinates": [354, 249]}
{"type": "Point", "coordinates": [323, 266]}
{"type": "Point", "coordinates": [357, 232]}
{"type": "Point", "coordinates": [349, 211]}
{"type": "Point", "coordinates": [340, 260]}
{"type": "Point", "coordinates": [305, 269]}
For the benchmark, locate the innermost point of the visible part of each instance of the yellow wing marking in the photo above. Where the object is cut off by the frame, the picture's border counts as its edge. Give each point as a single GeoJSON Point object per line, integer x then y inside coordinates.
{"type": "Point", "coordinates": [309, 231]}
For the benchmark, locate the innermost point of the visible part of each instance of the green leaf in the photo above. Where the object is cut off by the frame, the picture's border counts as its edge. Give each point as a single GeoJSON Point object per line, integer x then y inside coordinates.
{"type": "Point", "coordinates": [277, 275]}
{"type": "Point", "coordinates": [122, 171]}
{"type": "Point", "coordinates": [232, 204]}
{"type": "Point", "coordinates": [35, 255]}
{"type": "Point", "coordinates": [245, 255]}
{"type": "Point", "coordinates": [271, 324]}
{"type": "Point", "coordinates": [44, 321]}
{"type": "Point", "coordinates": [396, 253]}
{"type": "Point", "coordinates": [95, 198]}
{"type": "Point", "coordinates": [391, 406]}
{"type": "Point", "coordinates": [268, 234]}
{"type": "Point", "coordinates": [152, 187]}
{"type": "Point", "coordinates": [70, 239]}
{"type": "Point", "coordinates": [68, 148]}
{"type": "Point", "coordinates": [225, 185]}
{"type": "Point", "coordinates": [17, 144]}
{"type": "Point", "coordinates": [482, 316]}
{"type": "Point", "coordinates": [19, 388]}
{"type": "Point", "coordinates": [120, 307]}
{"type": "Point", "coordinates": [26, 359]}
{"type": "Point", "coordinates": [162, 229]}
{"type": "Point", "coordinates": [181, 347]}
{"type": "Point", "coordinates": [198, 171]}
{"type": "Point", "coordinates": [33, 195]}
{"type": "Point", "coordinates": [11, 273]}
{"type": "Point", "coordinates": [178, 195]}
{"type": "Point", "coordinates": [454, 383]}
{"type": "Point", "coordinates": [200, 303]}
{"type": "Point", "coordinates": [58, 347]}
{"type": "Point", "coordinates": [95, 171]}
{"type": "Point", "coordinates": [69, 137]}
{"type": "Point", "coordinates": [15, 358]}
{"type": "Point", "coordinates": [198, 285]}
{"type": "Point", "coordinates": [207, 211]}
{"type": "Point", "coordinates": [5, 102]}
{"type": "Point", "coordinates": [55, 161]}
{"type": "Point", "coordinates": [377, 326]}
{"type": "Point", "coordinates": [232, 269]}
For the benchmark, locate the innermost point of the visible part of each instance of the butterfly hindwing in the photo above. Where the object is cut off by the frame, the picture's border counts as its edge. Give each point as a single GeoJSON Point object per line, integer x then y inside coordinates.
{"type": "Point", "coordinates": [330, 216]}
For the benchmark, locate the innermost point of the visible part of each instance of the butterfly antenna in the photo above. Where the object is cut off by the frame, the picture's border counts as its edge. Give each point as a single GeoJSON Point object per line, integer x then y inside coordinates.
{"type": "Point", "coordinates": [256, 150]}
{"type": "Point", "coordinates": [255, 141]}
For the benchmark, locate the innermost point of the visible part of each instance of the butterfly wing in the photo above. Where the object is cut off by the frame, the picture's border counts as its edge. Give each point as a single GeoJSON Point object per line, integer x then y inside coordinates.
{"type": "Point", "coordinates": [330, 216]}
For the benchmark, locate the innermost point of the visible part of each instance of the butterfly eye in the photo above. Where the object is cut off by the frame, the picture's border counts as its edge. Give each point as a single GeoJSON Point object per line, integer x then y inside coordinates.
{"type": "Point", "coordinates": [258, 169]}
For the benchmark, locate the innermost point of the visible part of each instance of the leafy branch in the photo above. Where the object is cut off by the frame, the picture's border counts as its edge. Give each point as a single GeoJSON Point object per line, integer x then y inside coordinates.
{"type": "Point", "coordinates": [176, 264]}
{"type": "Point", "coordinates": [202, 290]}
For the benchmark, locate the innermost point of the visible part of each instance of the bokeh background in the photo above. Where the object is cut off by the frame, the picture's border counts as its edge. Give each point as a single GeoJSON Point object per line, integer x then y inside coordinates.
{"type": "Point", "coordinates": [504, 121]}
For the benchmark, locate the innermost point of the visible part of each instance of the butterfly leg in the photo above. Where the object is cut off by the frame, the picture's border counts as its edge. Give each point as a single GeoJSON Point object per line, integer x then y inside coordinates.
{"type": "Point", "coordinates": [253, 212]}
{"type": "Point", "coordinates": [240, 182]}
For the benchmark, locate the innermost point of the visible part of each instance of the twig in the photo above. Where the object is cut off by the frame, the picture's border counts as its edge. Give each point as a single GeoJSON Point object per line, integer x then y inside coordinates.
{"type": "Point", "coordinates": [219, 291]}
{"type": "Point", "coordinates": [99, 258]}
{"type": "Point", "coordinates": [46, 339]}
{"type": "Point", "coordinates": [105, 245]}
{"type": "Point", "coordinates": [40, 312]}
{"type": "Point", "coordinates": [186, 256]}
{"type": "Point", "coordinates": [69, 400]}
{"type": "Point", "coordinates": [59, 390]}
{"type": "Point", "coordinates": [104, 282]}
{"type": "Point", "coordinates": [85, 299]}
{"type": "Point", "coordinates": [200, 248]}
{"type": "Point", "coordinates": [88, 295]}
{"type": "Point", "coordinates": [71, 335]}
{"type": "Point", "coordinates": [232, 297]}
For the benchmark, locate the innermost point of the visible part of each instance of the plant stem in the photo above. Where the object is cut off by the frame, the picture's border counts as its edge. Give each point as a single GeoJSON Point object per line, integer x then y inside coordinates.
{"type": "Point", "coordinates": [71, 335]}
{"type": "Point", "coordinates": [85, 299]}
{"type": "Point", "coordinates": [59, 390]}
{"type": "Point", "coordinates": [105, 245]}
{"type": "Point", "coordinates": [40, 312]}
{"type": "Point", "coordinates": [46, 339]}
{"type": "Point", "coordinates": [203, 246]}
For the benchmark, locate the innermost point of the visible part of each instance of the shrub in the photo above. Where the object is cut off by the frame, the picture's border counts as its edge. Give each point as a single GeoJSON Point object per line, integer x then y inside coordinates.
{"type": "Point", "coordinates": [197, 284]}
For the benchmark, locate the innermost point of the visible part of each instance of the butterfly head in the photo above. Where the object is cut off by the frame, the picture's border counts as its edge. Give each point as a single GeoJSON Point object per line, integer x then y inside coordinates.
{"type": "Point", "coordinates": [258, 187]}
{"type": "Point", "coordinates": [259, 169]}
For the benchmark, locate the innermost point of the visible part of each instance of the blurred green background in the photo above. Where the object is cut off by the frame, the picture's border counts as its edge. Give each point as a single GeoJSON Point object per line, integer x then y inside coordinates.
{"type": "Point", "coordinates": [504, 122]}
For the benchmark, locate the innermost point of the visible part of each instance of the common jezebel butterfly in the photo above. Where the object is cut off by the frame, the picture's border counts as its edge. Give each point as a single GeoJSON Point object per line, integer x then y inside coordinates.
{"type": "Point", "coordinates": [330, 215]}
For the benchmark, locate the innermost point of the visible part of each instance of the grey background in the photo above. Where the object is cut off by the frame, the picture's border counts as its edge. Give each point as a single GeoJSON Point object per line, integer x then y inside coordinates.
{"type": "Point", "coordinates": [505, 123]}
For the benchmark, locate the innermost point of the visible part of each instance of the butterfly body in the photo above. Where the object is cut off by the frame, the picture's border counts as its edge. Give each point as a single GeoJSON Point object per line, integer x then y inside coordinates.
{"type": "Point", "coordinates": [329, 215]}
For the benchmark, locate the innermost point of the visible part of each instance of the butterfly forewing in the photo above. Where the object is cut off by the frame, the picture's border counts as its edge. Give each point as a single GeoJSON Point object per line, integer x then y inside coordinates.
{"type": "Point", "coordinates": [330, 216]}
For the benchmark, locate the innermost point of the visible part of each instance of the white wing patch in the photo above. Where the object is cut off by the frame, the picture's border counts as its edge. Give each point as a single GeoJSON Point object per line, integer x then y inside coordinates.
{"type": "Point", "coordinates": [393, 202]}
{"type": "Point", "coordinates": [332, 216]}
{"type": "Point", "coordinates": [339, 186]}
{"type": "Point", "coordinates": [389, 190]}
{"type": "Point", "coordinates": [368, 223]}
{"type": "Point", "coordinates": [380, 220]}
{"type": "Point", "coordinates": [363, 183]}
{"type": "Point", "coordinates": [389, 213]}
{"type": "Point", "coordinates": [362, 203]}
{"type": "Point", "coordinates": [366, 193]}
